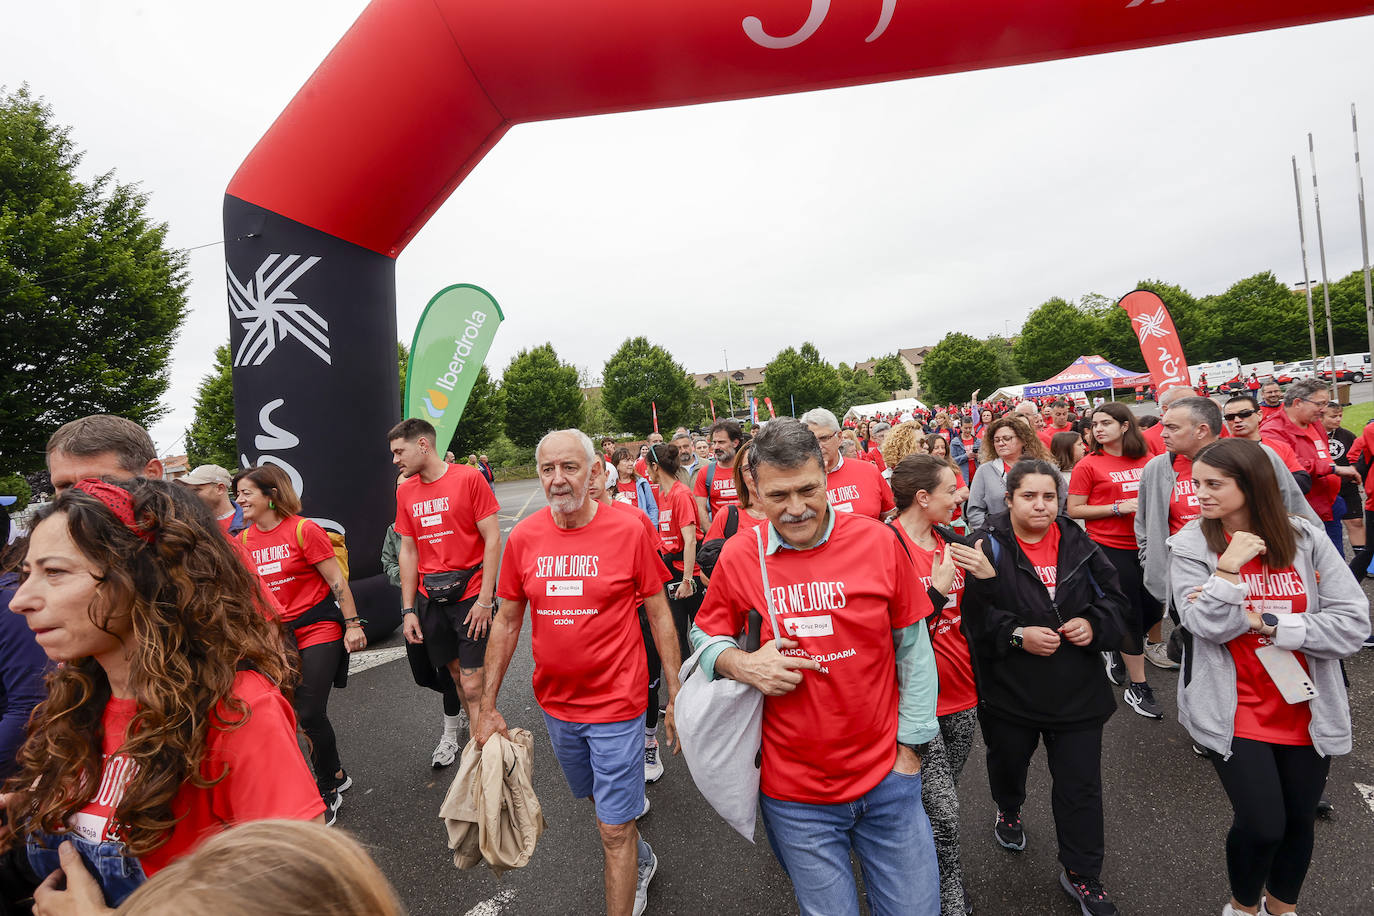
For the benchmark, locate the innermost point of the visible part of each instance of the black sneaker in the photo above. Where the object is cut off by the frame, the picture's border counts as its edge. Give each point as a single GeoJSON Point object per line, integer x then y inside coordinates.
{"type": "Point", "coordinates": [1141, 698]}
{"type": "Point", "coordinates": [1200, 750]}
{"type": "Point", "coordinates": [332, 802]}
{"type": "Point", "coordinates": [1116, 668]}
{"type": "Point", "coordinates": [1324, 808]}
{"type": "Point", "coordinates": [1009, 832]}
{"type": "Point", "coordinates": [1092, 899]}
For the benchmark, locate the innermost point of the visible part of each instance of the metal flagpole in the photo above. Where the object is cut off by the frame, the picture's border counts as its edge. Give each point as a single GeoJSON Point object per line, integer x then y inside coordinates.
{"type": "Point", "coordinates": [1364, 235]}
{"type": "Point", "coordinates": [1306, 280]}
{"type": "Point", "coordinates": [729, 392]}
{"type": "Point", "coordinates": [1321, 251]}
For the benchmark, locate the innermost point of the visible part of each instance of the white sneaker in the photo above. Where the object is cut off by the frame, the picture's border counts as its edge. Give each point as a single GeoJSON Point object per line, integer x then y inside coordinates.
{"type": "Point", "coordinates": [653, 767]}
{"type": "Point", "coordinates": [646, 874]}
{"type": "Point", "coordinates": [1157, 654]}
{"type": "Point", "coordinates": [445, 752]}
{"type": "Point", "coordinates": [463, 724]}
{"type": "Point", "coordinates": [646, 808]}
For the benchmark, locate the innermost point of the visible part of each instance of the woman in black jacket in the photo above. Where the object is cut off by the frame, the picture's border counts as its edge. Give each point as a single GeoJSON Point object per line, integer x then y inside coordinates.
{"type": "Point", "coordinates": [1035, 631]}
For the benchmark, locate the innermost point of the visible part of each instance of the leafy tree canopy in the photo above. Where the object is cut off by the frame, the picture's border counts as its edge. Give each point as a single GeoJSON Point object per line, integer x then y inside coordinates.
{"type": "Point", "coordinates": [801, 375]}
{"type": "Point", "coordinates": [211, 438]}
{"type": "Point", "coordinates": [542, 394]}
{"type": "Point", "coordinates": [91, 295]}
{"type": "Point", "coordinates": [639, 373]}
{"type": "Point", "coordinates": [956, 367]}
{"type": "Point", "coordinates": [484, 417]}
{"type": "Point", "coordinates": [1053, 336]}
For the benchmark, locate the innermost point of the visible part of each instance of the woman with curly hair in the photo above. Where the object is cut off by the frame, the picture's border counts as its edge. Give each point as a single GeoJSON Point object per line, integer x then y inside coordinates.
{"type": "Point", "coordinates": [165, 721]}
{"type": "Point", "coordinates": [902, 440]}
{"type": "Point", "coordinates": [1006, 441]}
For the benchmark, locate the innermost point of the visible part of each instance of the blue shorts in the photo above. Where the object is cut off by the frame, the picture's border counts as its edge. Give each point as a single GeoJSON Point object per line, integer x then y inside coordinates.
{"type": "Point", "coordinates": [603, 761]}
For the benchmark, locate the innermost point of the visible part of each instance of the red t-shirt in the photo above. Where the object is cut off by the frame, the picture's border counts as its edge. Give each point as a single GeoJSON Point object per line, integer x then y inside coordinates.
{"type": "Point", "coordinates": [1261, 712]}
{"type": "Point", "coordinates": [1183, 506]}
{"type": "Point", "coordinates": [859, 487]}
{"type": "Point", "coordinates": [584, 586]}
{"type": "Point", "coordinates": [747, 523]}
{"type": "Point", "coordinates": [873, 455]}
{"type": "Point", "coordinates": [226, 522]}
{"type": "Point", "coordinates": [442, 518]}
{"type": "Point", "coordinates": [1154, 439]}
{"type": "Point", "coordinates": [1048, 433]}
{"type": "Point", "coordinates": [642, 469]}
{"type": "Point", "coordinates": [626, 493]}
{"type": "Point", "coordinates": [1290, 460]}
{"type": "Point", "coordinates": [1266, 411]}
{"type": "Point", "coordinates": [952, 660]}
{"type": "Point", "coordinates": [1044, 556]}
{"type": "Point", "coordinates": [266, 775]}
{"type": "Point", "coordinates": [834, 737]}
{"type": "Point", "coordinates": [647, 524]}
{"type": "Point", "coordinates": [722, 493]}
{"type": "Point", "coordinates": [676, 510]}
{"type": "Point", "coordinates": [1105, 479]}
{"type": "Point", "coordinates": [285, 558]}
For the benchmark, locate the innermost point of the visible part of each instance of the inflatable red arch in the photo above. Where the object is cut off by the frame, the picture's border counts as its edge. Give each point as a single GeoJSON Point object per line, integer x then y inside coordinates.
{"type": "Point", "coordinates": [418, 91]}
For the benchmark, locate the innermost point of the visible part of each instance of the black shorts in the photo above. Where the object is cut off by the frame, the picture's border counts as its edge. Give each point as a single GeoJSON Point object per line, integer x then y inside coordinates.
{"type": "Point", "coordinates": [1354, 501]}
{"type": "Point", "coordinates": [446, 634]}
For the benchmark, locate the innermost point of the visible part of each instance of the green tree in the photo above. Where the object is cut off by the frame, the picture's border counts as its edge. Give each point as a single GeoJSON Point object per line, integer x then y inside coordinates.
{"type": "Point", "coordinates": [542, 394]}
{"type": "Point", "coordinates": [1007, 373]}
{"type": "Point", "coordinates": [15, 485]}
{"type": "Point", "coordinates": [210, 438]}
{"type": "Point", "coordinates": [1053, 336]}
{"type": "Point", "coordinates": [801, 375]}
{"type": "Point", "coordinates": [858, 386]}
{"type": "Point", "coordinates": [403, 365]}
{"type": "Point", "coordinates": [891, 374]}
{"type": "Point", "coordinates": [956, 366]}
{"type": "Point", "coordinates": [92, 297]}
{"type": "Point", "coordinates": [638, 373]}
{"type": "Point", "coordinates": [716, 392]}
{"type": "Point", "coordinates": [1261, 316]}
{"type": "Point", "coordinates": [484, 416]}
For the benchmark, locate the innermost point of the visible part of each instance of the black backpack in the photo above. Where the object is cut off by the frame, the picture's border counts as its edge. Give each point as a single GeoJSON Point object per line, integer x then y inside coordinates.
{"type": "Point", "coordinates": [709, 551]}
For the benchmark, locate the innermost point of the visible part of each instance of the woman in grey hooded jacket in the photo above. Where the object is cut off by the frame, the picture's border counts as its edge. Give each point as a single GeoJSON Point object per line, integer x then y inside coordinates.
{"type": "Point", "coordinates": [1265, 600]}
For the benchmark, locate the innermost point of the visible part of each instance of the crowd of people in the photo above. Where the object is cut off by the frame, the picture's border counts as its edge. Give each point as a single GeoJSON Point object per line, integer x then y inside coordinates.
{"type": "Point", "coordinates": [892, 585]}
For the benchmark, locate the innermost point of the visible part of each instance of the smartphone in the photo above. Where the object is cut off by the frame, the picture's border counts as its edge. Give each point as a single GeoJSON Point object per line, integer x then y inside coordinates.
{"type": "Point", "coordinates": [1287, 674]}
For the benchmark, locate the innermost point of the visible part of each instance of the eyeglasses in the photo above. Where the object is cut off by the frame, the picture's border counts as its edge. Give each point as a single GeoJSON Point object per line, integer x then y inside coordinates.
{"type": "Point", "coordinates": [1239, 415]}
{"type": "Point", "coordinates": [826, 438]}
{"type": "Point", "coordinates": [1321, 405]}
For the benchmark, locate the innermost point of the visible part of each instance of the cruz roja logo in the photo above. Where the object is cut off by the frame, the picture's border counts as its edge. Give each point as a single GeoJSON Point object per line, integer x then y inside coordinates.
{"type": "Point", "coordinates": [270, 312]}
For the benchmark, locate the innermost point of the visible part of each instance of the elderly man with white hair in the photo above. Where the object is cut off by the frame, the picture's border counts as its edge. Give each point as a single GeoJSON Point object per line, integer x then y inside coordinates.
{"type": "Point", "coordinates": [584, 568]}
{"type": "Point", "coordinates": [850, 486]}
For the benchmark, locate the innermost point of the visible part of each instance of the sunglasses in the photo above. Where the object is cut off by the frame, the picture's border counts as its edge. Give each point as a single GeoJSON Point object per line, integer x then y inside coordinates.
{"type": "Point", "coordinates": [1239, 415]}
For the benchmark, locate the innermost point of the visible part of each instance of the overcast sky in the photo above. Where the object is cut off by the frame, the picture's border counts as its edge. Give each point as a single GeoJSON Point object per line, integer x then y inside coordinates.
{"type": "Point", "coordinates": [864, 219]}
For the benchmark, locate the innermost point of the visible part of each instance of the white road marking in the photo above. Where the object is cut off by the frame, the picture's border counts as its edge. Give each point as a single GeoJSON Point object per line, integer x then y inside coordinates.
{"type": "Point", "coordinates": [371, 658]}
{"type": "Point", "coordinates": [1367, 792]}
{"type": "Point", "coordinates": [528, 500]}
{"type": "Point", "coordinates": [494, 906]}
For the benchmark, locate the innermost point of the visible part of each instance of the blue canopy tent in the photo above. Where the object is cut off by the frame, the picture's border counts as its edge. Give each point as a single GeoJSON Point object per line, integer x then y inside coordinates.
{"type": "Point", "coordinates": [1087, 373]}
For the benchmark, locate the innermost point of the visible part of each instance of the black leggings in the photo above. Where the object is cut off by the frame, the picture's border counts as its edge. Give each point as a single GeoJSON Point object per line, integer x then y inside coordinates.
{"type": "Point", "coordinates": [655, 669]}
{"type": "Point", "coordinates": [318, 665]}
{"type": "Point", "coordinates": [1274, 790]}
{"type": "Point", "coordinates": [1146, 611]}
{"type": "Point", "coordinates": [1360, 564]}
{"type": "Point", "coordinates": [684, 614]}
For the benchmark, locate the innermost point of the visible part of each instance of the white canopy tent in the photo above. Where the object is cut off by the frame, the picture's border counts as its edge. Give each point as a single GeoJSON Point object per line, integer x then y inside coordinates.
{"type": "Point", "coordinates": [1008, 392]}
{"type": "Point", "coordinates": [901, 405]}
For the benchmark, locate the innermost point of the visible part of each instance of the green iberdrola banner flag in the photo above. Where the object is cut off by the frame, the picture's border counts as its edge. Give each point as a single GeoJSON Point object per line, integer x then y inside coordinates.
{"type": "Point", "coordinates": [451, 341]}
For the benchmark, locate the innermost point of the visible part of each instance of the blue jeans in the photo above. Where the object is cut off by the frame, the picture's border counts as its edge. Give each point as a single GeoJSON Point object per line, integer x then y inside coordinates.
{"type": "Point", "coordinates": [119, 875]}
{"type": "Point", "coordinates": [889, 832]}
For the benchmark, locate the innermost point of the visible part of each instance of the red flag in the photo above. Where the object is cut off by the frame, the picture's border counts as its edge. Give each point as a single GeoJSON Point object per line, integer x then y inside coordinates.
{"type": "Point", "coordinates": [654, 408]}
{"type": "Point", "coordinates": [769, 402]}
{"type": "Point", "coordinates": [1159, 342]}
{"type": "Point", "coordinates": [712, 402]}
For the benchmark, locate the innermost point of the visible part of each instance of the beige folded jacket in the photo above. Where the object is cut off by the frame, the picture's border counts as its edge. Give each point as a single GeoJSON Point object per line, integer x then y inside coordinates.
{"type": "Point", "coordinates": [491, 812]}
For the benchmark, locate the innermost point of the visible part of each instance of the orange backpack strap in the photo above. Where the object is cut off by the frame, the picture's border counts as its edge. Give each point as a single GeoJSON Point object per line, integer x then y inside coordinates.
{"type": "Point", "coordinates": [300, 539]}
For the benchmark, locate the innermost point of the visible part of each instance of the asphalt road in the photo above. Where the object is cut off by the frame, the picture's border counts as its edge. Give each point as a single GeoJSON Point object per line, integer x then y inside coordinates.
{"type": "Point", "coordinates": [1166, 815]}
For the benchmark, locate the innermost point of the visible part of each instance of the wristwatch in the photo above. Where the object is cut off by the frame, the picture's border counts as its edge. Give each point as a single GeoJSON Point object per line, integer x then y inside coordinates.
{"type": "Point", "coordinates": [1271, 624]}
{"type": "Point", "coordinates": [1016, 638]}
{"type": "Point", "coordinates": [408, 610]}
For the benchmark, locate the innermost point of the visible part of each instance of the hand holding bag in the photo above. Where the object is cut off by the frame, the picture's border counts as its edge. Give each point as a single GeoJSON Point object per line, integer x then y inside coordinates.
{"type": "Point", "coordinates": [720, 727]}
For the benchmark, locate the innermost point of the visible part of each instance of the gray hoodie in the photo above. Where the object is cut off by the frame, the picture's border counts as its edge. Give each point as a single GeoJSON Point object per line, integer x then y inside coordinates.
{"type": "Point", "coordinates": [988, 494]}
{"type": "Point", "coordinates": [1332, 628]}
{"type": "Point", "coordinates": [1152, 514]}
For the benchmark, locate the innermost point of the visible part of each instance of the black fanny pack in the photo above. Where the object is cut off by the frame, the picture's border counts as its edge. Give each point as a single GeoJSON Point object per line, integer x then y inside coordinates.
{"type": "Point", "coordinates": [447, 587]}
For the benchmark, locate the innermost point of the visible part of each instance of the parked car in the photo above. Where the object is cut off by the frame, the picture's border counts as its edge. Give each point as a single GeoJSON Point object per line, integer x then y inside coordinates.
{"type": "Point", "coordinates": [1295, 372]}
{"type": "Point", "coordinates": [1352, 367]}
